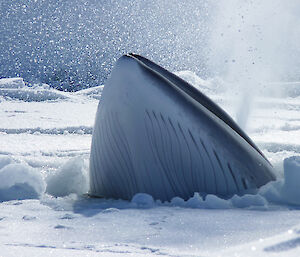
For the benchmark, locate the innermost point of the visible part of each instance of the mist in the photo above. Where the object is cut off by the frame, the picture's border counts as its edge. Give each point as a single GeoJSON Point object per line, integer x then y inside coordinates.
{"type": "Point", "coordinates": [254, 50]}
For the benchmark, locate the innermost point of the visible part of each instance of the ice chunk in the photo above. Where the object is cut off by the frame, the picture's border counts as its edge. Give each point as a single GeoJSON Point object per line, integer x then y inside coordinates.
{"type": "Point", "coordinates": [143, 200]}
{"type": "Point", "coordinates": [19, 181]}
{"type": "Point", "coordinates": [248, 201]}
{"type": "Point", "coordinates": [28, 94]}
{"type": "Point", "coordinates": [12, 83]}
{"type": "Point", "coordinates": [177, 201]}
{"type": "Point", "coordinates": [195, 202]}
{"type": "Point", "coordinates": [291, 188]}
{"type": "Point", "coordinates": [214, 202]}
{"type": "Point", "coordinates": [94, 92]}
{"type": "Point", "coordinates": [71, 178]}
{"type": "Point", "coordinates": [198, 202]}
{"type": "Point", "coordinates": [5, 160]}
{"type": "Point", "coordinates": [15, 88]}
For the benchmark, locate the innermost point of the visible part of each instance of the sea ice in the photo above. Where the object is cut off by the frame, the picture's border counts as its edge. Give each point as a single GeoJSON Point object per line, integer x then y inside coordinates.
{"type": "Point", "coordinates": [12, 83]}
{"type": "Point", "coordinates": [291, 188]}
{"type": "Point", "coordinates": [70, 178]}
{"type": "Point", "coordinates": [208, 226]}
{"type": "Point", "coordinates": [19, 181]}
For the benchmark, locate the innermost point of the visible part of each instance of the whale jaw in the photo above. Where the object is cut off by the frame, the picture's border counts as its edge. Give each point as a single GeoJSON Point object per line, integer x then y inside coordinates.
{"type": "Point", "coordinates": [154, 133]}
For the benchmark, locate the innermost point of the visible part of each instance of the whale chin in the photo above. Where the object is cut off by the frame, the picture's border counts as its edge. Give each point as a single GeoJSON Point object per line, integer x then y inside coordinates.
{"type": "Point", "coordinates": [155, 133]}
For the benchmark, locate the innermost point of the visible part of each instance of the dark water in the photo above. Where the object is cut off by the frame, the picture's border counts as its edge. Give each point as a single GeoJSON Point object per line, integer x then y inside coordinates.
{"type": "Point", "coordinates": [73, 44]}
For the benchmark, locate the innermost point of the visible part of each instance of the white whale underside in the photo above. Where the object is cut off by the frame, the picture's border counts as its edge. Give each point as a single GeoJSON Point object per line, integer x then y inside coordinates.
{"type": "Point", "coordinates": [154, 133]}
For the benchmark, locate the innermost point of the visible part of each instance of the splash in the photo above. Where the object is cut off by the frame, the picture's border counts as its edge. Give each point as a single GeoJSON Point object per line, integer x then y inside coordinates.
{"type": "Point", "coordinates": [253, 45]}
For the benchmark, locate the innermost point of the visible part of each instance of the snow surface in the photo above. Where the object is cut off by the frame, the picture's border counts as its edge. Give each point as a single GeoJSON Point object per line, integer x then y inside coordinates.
{"type": "Point", "coordinates": [44, 209]}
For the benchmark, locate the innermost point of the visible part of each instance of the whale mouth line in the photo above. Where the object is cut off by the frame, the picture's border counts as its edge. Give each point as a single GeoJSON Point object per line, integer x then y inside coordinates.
{"type": "Point", "coordinates": [197, 95]}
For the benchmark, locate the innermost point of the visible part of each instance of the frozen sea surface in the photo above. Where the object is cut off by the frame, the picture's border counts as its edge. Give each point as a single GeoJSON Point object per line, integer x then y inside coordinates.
{"type": "Point", "coordinates": [45, 138]}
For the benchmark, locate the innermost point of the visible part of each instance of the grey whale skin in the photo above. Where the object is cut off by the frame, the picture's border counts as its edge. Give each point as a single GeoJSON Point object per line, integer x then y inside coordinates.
{"type": "Point", "coordinates": [154, 133]}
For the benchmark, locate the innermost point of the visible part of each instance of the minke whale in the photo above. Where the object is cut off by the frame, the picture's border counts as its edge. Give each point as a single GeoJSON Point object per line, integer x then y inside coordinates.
{"type": "Point", "coordinates": [155, 133]}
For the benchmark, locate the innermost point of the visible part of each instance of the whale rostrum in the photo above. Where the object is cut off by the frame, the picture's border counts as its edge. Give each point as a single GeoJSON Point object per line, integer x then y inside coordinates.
{"type": "Point", "coordinates": [155, 133]}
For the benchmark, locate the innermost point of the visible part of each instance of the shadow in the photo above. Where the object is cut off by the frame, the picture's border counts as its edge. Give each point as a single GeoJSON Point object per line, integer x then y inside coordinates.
{"type": "Point", "coordinates": [90, 206]}
{"type": "Point", "coordinates": [284, 246]}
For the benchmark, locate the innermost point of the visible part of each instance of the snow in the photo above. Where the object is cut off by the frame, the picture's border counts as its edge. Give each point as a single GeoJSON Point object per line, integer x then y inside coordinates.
{"type": "Point", "coordinates": [70, 178]}
{"type": "Point", "coordinates": [291, 178]}
{"type": "Point", "coordinates": [20, 182]}
{"type": "Point", "coordinates": [12, 83]}
{"type": "Point", "coordinates": [246, 56]}
{"type": "Point", "coordinates": [30, 95]}
{"type": "Point", "coordinates": [142, 200]}
{"type": "Point", "coordinates": [44, 209]}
